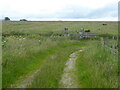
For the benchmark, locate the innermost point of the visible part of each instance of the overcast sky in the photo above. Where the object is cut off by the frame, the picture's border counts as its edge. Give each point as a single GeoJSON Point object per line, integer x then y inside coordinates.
{"type": "Point", "coordinates": [105, 10]}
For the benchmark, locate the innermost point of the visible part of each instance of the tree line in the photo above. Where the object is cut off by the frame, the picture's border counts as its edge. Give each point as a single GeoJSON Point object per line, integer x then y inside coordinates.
{"type": "Point", "coordinates": [8, 19]}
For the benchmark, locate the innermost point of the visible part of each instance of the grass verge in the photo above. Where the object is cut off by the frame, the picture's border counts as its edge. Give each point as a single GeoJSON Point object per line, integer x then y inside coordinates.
{"type": "Point", "coordinates": [97, 67]}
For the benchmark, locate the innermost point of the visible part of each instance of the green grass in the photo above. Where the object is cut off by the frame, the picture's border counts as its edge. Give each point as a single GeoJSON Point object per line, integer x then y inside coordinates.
{"type": "Point", "coordinates": [50, 73]}
{"type": "Point", "coordinates": [26, 55]}
{"type": "Point", "coordinates": [28, 46]}
{"type": "Point", "coordinates": [58, 26]}
{"type": "Point", "coordinates": [23, 56]}
{"type": "Point", "coordinates": [97, 67]}
{"type": "Point", "coordinates": [22, 66]}
{"type": "Point", "coordinates": [0, 55]}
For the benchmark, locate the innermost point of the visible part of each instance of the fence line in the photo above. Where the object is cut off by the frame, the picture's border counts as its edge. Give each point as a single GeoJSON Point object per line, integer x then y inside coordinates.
{"type": "Point", "coordinates": [113, 47]}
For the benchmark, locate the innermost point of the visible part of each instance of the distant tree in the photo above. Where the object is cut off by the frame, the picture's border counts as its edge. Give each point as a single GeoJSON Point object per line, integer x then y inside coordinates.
{"type": "Point", "coordinates": [7, 19]}
{"type": "Point", "coordinates": [23, 20]}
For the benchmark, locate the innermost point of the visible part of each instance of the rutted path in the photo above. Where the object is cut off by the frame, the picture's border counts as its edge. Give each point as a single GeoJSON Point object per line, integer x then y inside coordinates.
{"type": "Point", "coordinates": [27, 81]}
{"type": "Point", "coordinates": [68, 79]}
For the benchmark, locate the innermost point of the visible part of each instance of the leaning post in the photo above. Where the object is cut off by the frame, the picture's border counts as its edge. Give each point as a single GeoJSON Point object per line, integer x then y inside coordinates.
{"type": "Point", "coordinates": [66, 31]}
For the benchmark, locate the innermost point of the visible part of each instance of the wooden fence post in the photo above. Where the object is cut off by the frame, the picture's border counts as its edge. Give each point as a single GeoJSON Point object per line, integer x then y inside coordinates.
{"type": "Point", "coordinates": [113, 45]}
{"type": "Point", "coordinates": [71, 35]}
{"type": "Point", "coordinates": [66, 31]}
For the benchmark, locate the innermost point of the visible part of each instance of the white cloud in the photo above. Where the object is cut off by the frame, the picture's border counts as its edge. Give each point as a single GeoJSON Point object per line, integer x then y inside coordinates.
{"type": "Point", "coordinates": [17, 9]}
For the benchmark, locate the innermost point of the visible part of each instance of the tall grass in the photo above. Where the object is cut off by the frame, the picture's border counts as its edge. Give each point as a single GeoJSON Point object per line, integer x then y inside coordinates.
{"type": "Point", "coordinates": [51, 71]}
{"type": "Point", "coordinates": [97, 67]}
{"type": "Point", "coordinates": [23, 55]}
{"type": "Point", "coordinates": [0, 54]}
{"type": "Point", "coordinates": [28, 46]}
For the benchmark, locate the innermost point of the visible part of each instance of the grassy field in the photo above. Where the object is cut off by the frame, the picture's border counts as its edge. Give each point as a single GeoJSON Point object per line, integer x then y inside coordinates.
{"type": "Point", "coordinates": [0, 54]}
{"type": "Point", "coordinates": [28, 46]}
{"type": "Point", "coordinates": [58, 26]}
{"type": "Point", "coordinates": [97, 67]}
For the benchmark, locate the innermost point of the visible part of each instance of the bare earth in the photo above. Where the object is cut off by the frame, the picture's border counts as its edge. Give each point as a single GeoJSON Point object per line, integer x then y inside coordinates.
{"type": "Point", "coordinates": [68, 79]}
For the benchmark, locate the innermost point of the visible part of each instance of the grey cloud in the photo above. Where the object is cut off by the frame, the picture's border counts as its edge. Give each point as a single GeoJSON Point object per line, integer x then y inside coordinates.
{"type": "Point", "coordinates": [81, 12]}
{"type": "Point", "coordinates": [108, 11]}
{"type": "Point", "coordinates": [70, 12]}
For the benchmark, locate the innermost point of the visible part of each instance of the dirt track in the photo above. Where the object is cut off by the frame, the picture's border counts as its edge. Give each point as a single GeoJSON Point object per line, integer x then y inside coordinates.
{"type": "Point", "coordinates": [68, 79]}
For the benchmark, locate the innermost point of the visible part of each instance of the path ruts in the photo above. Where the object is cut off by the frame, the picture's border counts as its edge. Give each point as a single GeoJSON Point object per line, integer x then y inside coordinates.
{"type": "Point", "coordinates": [68, 79]}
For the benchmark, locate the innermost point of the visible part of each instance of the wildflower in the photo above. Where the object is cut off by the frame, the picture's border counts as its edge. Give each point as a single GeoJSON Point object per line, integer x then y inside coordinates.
{"type": "Point", "coordinates": [4, 41]}
{"type": "Point", "coordinates": [23, 38]}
